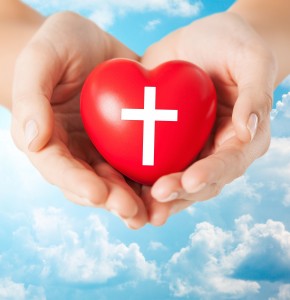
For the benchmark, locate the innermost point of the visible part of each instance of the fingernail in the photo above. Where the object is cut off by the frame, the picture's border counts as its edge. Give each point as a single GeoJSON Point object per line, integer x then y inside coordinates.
{"type": "Point", "coordinates": [253, 125]}
{"type": "Point", "coordinates": [176, 208]}
{"type": "Point", "coordinates": [117, 214]}
{"type": "Point", "coordinates": [171, 197]}
{"type": "Point", "coordinates": [157, 219]}
{"type": "Point", "coordinates": [197, 188]}
{"type": "Point", "coordinates": [31, 132]}
{"type": "Point", "coordinates": [128, 225]}
{"type": "Point", "coordinates": [114, 212]}
{"type": "Point", "coordinates": [86, 202]}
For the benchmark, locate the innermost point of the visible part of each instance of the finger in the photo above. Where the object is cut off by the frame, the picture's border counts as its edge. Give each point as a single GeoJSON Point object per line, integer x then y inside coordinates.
{"type": "Point", "coordinates": [179, 205]}
{"type": "Point", "coordinates": [214, 169]}
{"type": "Point", "coordinates": [78, 200]}
{"type": "Point", "coordinates": [60, 168]}
{"type": "Point", "coordinates": [170, 188]}
{"type": "Point", "coordinates": [158, 213]}
{"type": "Point", "coordinates": [230, 161]}
{"type": "Point", "coordinates": [255, 75]}
{"type": "Point", "coordinates": [37, 71]}
{"type": "Point", "coordinates": [122, 199]}
{"type": "Point", "coordinates": [139, 220]}
{"type": "Point", "coordinates": [167, 188]}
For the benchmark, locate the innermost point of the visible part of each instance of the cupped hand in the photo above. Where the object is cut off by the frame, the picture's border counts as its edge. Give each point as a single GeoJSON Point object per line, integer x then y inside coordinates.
{"type": "Point", "coordinates": [243, 70]}
{"type": "Point", "coordinates": [46, 122]}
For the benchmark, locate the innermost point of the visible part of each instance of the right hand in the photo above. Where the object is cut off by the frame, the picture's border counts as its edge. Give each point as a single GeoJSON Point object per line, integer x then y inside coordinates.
{"type": "Point", "coordinates": [243, 69]}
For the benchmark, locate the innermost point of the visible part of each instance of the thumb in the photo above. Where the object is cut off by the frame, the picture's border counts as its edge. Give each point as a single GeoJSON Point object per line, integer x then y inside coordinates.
{"type": "Point", "coordinates": [255, 80]}
{"type": "Point", "coordinates": [34, 80]}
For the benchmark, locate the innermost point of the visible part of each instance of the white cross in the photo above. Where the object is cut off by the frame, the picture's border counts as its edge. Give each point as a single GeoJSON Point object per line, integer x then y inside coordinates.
{"type": "Point", "coordinates": [149, 115]}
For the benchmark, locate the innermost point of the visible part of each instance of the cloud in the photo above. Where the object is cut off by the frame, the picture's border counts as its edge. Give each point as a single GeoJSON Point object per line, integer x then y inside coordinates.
{"type": "Point", "coordinates": [271, 174]}
{"type": "Point", "coordinates": [280, 117]}
{"type": "Point", "coordinates": [244, 187]}
{"type": "Point", "coordinates": [20, 181]}
{"type": "Point", "coordinates": [156, 246]}
{"type": "Point", "coordinates": [283, 294]}
{"type": "Point", "coordinates": [151, 25]}
{"type": "Point", "coordinates": [221, 259]}
{"type": "Point", "coordinates": [104, 13]}
{"type": "Point", "coordinates": [217, 264]}
{"type": "Point", "coordinates": [104, 18]}
{"type": "Point", "coordinates": [62, 249]}
{"type": "Point", "coordinates": [10, 290]}
{"type": "Point", "coordinates": [265, 187]}
{"type": "Point", "coordinates": [240, 262]}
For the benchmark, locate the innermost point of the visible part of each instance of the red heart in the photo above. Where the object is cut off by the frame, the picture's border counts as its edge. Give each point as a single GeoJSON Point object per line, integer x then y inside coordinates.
{"type": "Point", "coordinates": [177, 101]}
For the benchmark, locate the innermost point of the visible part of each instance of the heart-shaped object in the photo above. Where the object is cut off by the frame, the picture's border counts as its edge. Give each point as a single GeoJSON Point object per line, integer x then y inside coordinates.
{"type": "Point", "coordinates": [148, 123]}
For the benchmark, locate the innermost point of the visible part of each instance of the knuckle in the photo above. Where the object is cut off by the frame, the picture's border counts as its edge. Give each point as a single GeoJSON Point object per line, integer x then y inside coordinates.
{"type": "Point", "coordinates": [241, 165]}
{"type": "Point", "coordinates": [67, 14]}
{"type": "Point", "coordinates": [216, 189]}
{"type": "Point", "coordinates": [267, 102]}
{"type": "Point", "coordinates": [237, 161]}
{"type": "Point", "coordinates": [263, 105]}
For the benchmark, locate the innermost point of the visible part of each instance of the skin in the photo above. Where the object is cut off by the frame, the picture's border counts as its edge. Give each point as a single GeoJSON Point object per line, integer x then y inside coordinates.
{"type": "Point", "coordinates": [241, 93]}
{"type": "Point", "coordinates": [16, 19]}
{"type": "Point", "coordinates": [46, 123]}
{"type": "Point", "coordinates": [251, 42]}
{"type": "Point", "coordinates": [61, 149]}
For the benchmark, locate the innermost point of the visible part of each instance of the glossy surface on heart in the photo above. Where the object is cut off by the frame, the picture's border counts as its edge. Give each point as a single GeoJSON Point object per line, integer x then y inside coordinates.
{"type": "Point", "coordinates": [120, 84]}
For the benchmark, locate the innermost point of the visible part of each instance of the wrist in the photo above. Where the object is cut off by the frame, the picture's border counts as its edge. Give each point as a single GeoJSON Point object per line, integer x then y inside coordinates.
{"type": "Point", "coordinates": [271, 20]}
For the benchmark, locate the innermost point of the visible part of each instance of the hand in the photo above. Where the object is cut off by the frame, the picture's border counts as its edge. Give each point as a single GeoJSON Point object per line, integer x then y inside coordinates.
{"type": "Point", "coordinates": [46, 122]}
{"type": "Point", "coordinates": [243, 70]}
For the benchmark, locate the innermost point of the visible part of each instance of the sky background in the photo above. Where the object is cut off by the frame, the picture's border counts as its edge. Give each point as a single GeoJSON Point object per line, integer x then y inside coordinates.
{"type": "Point", "coordinates": [236, 246]}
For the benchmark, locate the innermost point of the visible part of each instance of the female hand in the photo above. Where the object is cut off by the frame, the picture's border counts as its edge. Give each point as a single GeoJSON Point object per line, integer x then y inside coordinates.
{"type": "Point", "coordinates": [46, 122]}
{"type": "Point", "coordinates": [243, 70]}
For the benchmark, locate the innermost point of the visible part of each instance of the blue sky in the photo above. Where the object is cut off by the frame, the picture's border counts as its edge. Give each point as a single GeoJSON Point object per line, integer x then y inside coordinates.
{"type": "Point", "coordinates": [236, 246]}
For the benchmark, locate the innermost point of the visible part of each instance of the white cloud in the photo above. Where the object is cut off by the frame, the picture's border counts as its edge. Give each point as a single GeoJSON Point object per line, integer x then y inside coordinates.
{"type": "Point", "coordinates": [5, 120]}
{"type": "Point", "coordinates": [272, 172]}
{"type": "Point", "coordinates": [266, 183]}
{"type": "Point", "coordinates": [151, 25]}
{"type": "Point", "coordinates": [282, 106]}
{"type": "Point", "coordinates": [219, 264]}
{"type": "Point", "coordinates": [20, 180]}
{"type": "Point", "coordinates": [218, 261]}
{"type": "Point", "coordinates": [286, 198]}
{"type": "Point", "coordinates": [10, 290]}
{"type": "Point", "coordinates": [156, 246]}
{"type": "Point", "coordinates": [191, 210]}
{"type": "Point", "coordinates": [105, 12]}
{"type": "Point", "coordinates": [104, 18]}
{"type": "Point", "coordinates": [79, 251]}
{"type": "Point", "coordinates": [283, 294]}
{"type": "Point", "coordinates": [244, 187]}
{"type": "Point", "coordinates": [280, 117]}
{"type": "Point", "coordinates": [264, 191]}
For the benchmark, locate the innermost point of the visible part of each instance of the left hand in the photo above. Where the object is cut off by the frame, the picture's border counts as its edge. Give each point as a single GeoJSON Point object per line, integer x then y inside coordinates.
{"type": "Point", "coordinates": [46, 121]}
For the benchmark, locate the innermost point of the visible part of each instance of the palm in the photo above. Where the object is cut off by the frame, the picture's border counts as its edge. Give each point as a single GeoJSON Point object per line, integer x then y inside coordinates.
{"type": "Point", "coordinates": [213, 44]}
{"type": "Point", "coordinates": [64, 155]}
{"type": "Point", "coordinates": [71, 141]}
